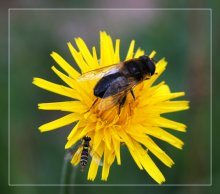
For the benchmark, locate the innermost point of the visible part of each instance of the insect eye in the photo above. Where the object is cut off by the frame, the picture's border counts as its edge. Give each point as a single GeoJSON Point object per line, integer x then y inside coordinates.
{"type": "Point", "coordinates": [151, 68]}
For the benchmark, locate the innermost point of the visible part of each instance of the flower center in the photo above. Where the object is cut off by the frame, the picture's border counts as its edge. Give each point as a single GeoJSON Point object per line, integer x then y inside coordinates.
{"type": "Point", "coordinates": [113, 114]}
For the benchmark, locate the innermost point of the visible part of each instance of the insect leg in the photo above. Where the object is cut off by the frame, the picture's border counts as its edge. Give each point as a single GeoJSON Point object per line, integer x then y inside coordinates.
{"type": "Point", "coordinates": [132, 93]}
{"type": "Point", "coordinates": [121, 103]}
{"type": "Point", "coordinates": [92, 105]}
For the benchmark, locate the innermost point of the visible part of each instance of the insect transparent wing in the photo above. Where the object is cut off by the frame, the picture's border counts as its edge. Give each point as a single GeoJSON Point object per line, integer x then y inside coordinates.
{"type": "Point", "coordinates": [76, 156]}
{"type": "Point", "coordinates": [75, 149]}
{"type": "Point", "coordinates": [98, 73]}
{"type": "Point", "coordinates": [96, 157]}
{"type": "Point", "coordinates": [109, 101]}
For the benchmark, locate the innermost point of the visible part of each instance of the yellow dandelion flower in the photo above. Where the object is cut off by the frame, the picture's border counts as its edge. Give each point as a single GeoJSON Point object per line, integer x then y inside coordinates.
{"type": "Point", "coordinates": [138, 121]}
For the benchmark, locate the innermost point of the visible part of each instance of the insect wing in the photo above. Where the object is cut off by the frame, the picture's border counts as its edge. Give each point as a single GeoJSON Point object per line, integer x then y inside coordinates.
{"type": "Point", "coordinates": [76, 157]}
{"type": "Point", "coordinates": [96, 157]}
{"type": "Point", "coordinates": [71, 151]}
{"type": "Point", "coordinates": [109, 101]}
{"type": "Point", "coordinates": [74, 151]}
{"type": "Point", "coordinates": [98, 73]}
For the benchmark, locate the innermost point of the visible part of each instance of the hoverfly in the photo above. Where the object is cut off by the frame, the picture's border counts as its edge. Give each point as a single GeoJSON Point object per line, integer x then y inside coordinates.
{"type": "Point", "coordinates": [82, 153]}
{"type": "Point", "coordinates": [119, 79]}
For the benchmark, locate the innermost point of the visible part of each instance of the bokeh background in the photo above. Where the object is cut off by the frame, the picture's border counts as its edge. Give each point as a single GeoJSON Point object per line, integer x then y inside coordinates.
{"type": "Point", "coordinates": [181, 36]}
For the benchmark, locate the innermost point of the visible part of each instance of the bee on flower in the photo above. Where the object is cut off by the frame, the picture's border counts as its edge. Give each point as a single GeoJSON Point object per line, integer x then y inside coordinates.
{"type": "Point", "coordinates": [114, 103]}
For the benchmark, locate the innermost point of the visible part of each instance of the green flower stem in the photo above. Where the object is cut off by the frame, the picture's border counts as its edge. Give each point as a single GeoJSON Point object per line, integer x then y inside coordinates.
{"type": "Point", "coordinates": [68, 175]}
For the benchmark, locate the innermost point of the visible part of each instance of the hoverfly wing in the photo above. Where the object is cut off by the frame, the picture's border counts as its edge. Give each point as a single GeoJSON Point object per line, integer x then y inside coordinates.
{"type": "Point", "coordinates": [96, 157]}
{"type": "Point", "coordinates": [108, 100]}
{"type": "Point", "coordinates": [74, 150]}
{"type": "Point", "coordinates": [98, 73]}
{"type": "Point", "coordinates": [77, 155]}
{"type": "Point", "coordinates": [111, 101]}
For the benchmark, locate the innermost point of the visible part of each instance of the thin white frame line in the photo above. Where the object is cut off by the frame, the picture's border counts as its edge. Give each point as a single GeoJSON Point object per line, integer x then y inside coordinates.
{"type": "Point", "coordinates": [9, 100]}
{"type": "Point", "coordinates": [211, 150]}
{"type": "Point", "coordinates": [154, 9]}
{"type": "Point", "coordinates": [113, 185]}
{"type": "Point", "coordinates": [111, 9]}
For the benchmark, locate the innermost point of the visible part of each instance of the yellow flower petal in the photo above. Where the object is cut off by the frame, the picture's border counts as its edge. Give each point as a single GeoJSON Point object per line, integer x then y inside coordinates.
{"type": "Point", "coordinates": [135, 156]}
{"type": "Point", "coordinates": [106, 50]}
{"type": "Point", "coordinates": [78, 86]}
{"type": "Point", "coordinates": [117, 52]}
{"type": "Point", "coordinates": [97, 139]}
{"type": "Point", "coordinates": [93, 169]}
{"type": "Point", "coordinates": [107, 163]}
{"type": "Point", "coordinates": [75, 130]}
{"type": "Point", "coordinates": [116, 144]}
{"type": "Point", "coordinates": [94, 53]}
{"type": "Point", "coordinates": [148, 164]}
{"type": "Point", "coordinates": [130, 51]}
{"type": "Point", "coordinates": [107, 138]}
{"type": "Point", "coordinates": [128, 141]}
{"type": "Point", "coordinates": [153, 53]}
{"type": "Point", "coordinates": [141, 137]}
{"type": "Point", "coordinates": [138, 53]}
{"type": "Point", "coordinates": [77, 136]}
{"type": "Point", "coordinates": [56, 88]}
{"type": "Point", "coordinates": [163, 135]}
{"type": "Point", "coordinates": [154, 148]}
{"type": "Point", "coordinates": [86, 53]}
{"type": "Point", "coordinates": [172, 106]}
{"type": "Point", "coordinates": [66, 66]}
{"type": "Point", "coordinates": [63, 121]}
{"type": "Point", "coordinates": [69, 81]}
{"type": "Point", "coordinates": [110, 50]}
{"type": "Point", "coordinates": [167, 123]}
{"type": "Point", "coordinates": [84, 89]}
{"type": "Point", "coordinates": [69, 106]}
{"type": "Point", "coordinates": [78, 58]}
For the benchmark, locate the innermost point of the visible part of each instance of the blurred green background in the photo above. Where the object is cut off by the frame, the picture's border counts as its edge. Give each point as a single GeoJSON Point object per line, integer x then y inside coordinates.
{"type": "Point", "coordinates": [181, 36]}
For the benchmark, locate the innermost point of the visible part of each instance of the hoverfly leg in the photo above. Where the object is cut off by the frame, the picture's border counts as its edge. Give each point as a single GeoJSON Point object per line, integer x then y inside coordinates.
{"type": "Point", "coordinates": [132, 93]}
{"type": "Point", "coordinates": [121, 103]}
{"type": "Point", "coordinates": [92, 105]}
{"type": "Point", "coordinates": [119, 109]}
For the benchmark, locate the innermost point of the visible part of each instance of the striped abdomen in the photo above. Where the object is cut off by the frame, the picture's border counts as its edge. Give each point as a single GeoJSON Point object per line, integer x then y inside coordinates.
{"type": "Point", "coordinates": [84, 156]}
{"type": "Point", "coordinates": [85, 152]}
